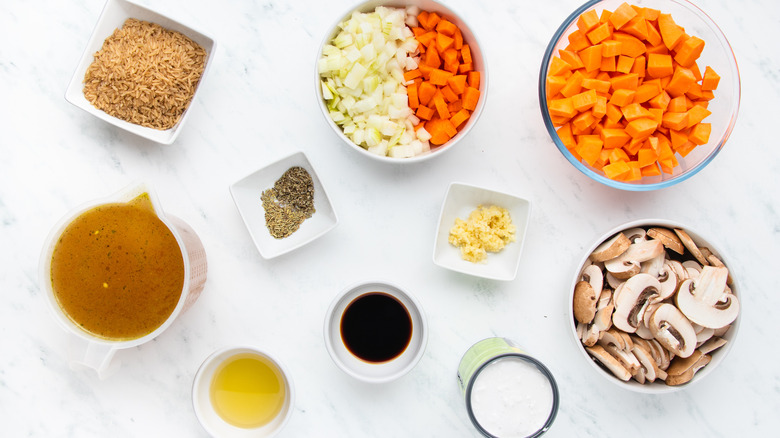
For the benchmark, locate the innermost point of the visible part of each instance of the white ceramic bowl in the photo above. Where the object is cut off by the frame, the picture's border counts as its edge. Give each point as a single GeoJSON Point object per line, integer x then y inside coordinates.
{"type": "Point", "coordinates": [468, 37]}
{"type": "Point", "coordinates": [375, 372]}
{"type": "Point", "coordinates": [208, 417]}
{"type": "Point", "coordinates": [461, 199]}
{"type": "Point", "coordinates": [246, 195]}
{"type": "Point", "coordinates": [718, 355]}
{"type": "Point", "coordinates": [114, 14]}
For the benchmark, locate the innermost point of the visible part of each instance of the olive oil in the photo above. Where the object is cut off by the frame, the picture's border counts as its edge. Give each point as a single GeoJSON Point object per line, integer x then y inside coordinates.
{"type": "Point", "coordinates": [248, 390]}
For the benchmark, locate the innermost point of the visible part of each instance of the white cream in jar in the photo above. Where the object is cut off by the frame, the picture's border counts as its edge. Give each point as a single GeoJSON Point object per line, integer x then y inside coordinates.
{"type": "Point", "coordinates": [511, 398]}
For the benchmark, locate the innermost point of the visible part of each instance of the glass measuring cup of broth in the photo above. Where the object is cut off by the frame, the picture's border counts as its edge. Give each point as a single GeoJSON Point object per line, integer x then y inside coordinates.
{"type": "Point", "coordinates": [116, 272]}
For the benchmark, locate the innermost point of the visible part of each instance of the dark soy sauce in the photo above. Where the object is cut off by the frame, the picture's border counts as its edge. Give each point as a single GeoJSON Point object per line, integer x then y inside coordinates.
{"type": "Point", "coordinates": [376, 327]}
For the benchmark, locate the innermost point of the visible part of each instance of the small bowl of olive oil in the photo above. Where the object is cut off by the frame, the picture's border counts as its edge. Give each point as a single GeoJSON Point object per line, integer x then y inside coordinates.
{"type": "Point", "coordinates": [242, 392]}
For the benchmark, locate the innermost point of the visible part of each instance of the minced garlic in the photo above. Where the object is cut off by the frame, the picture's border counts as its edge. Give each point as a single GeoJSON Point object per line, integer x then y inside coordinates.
{"type": "Point", "coordinates": [487, 229]}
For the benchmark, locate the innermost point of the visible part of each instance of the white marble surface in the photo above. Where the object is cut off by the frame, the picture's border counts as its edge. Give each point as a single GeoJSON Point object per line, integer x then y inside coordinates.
{"type": "Point", "coordinates": [258, 105]}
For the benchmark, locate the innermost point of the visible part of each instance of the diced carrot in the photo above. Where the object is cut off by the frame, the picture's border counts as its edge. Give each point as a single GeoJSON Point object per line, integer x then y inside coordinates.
{"type": "Point", "coordinates": [412, 74]}
{"type": "Point", "coordinates": [614, 137]}
{"type": "Point", "coordinates": [650, 170]}
{"type": "Point", "coordinates": [627, 81]}
{"type": "Point", "coordinates": [639, 66]}
{"type": "Point", "coordinates": [422, 18]}
{"type": "Point", "coordinates": [450, 57]}
{"type": "Point", "coordinates": [443, 42]}
{"type": "Point", "coordinates": [577, 41]}
{"type": "Point", "coordinates": [681, 81]}
{"type": "Point", "coordinates": [676, 121]}
{"type": "Point", "coordinates": [599, 34]}
{"type": "Point", "coordinates": [671, 33]}
{"type": "Point", "coordinates": [678, 138]}
{"type": "Point", "coordinates": [571, 58]}
{"type": "Point", "coordinates": [696, 114]}
{"type": "Point", "coordinates": [427, 38]}
{"type": "Point", "coordinates": [439, 77]}
{"type": "Point", "coordinates": [608, 63]}
{"type": "Point", "coordinates": [439, 130]}
{"type": "Point", "coordinates": [696, 72]}
{"type": "Point", "coordinates": [567, 138]}
{"type": "Point", "coordinates": [426, 90]}
{"type": "Point", "coordinates": [585, 100]}
{"type": "Point", "coordinates": [659, 65]}
{"type": "Point", "coordinates": [637, 27]}
{"type": "Point", "coordinates": [589, 148]}
{"type": "Point", "coordinates": [624, 64]}
{"type": "Point", "coordinates": [647, 91]}
{"type": "Point", "coordinates": [656, 114]}
{"type": "Point", "coordinates": [441, 107]}
{"type": "Point", "coordinates": [622, 15]}
{"type": "Point", "coordinates": [470, 98]}
{"type": "Point", "coordinates": [562, 107]}
{"type": "Point", "coordinates": [473, 79]}
{"type": "Point", "coordinates": [600, 107]}
{"type": "Point", "coordinates": [686, 148]}
{"type": "Point", "coordinates": [700, 134]}
{"type": "Point", "coordinates": [660, 101]}
{"type": "Point", "coordinates": [616, 170]}
{"type": "Point", "coordinates": [595, 84]}
{"type": "Point", "coordinates": [617, 154]}
{"type": "Point", "coordinates": [411, 92]}
{"type": "Point", "coordinates": [646, 156]}
{"type": "Point", "coordinates": [630, 45]}
{"type": "Point", "coordinates": [432, 58]}
{"type": "Point", "coordinates": [573, 85]}
{"type": "Point", "coordinates": [641, 128]}
{"type": "Point", "coordinates": [613, 113]}
{"type": "Point", "coordinates": [465, 68]}
{"type": "Point", "coordinates": [611, 48]}
{"type": "Point", "coordinates": [583, 121]}
{"type": "Point", "coordinates": [634, 111]}
{"type": "Point", "coordinates": [455, 106]}
{"type": "Point", "coordinates": [689, 51]}
{"type": "Point", "coordinates": [653, 35]}
{"type": "Point", "coordinates": [449, 95]}
{"type": "Point", "coordinates": [465, 53]}
{"type": "Point", "coordinates": [622, 97]}
{"type": "Point", "coordinates": [433, 20]}
{"type": "Point", "coordinates": [604, 17]}
{"type": "Point", "coordinates": [424, 112]}
{"type": "Point", "coordinates": [710, 79]}
{"type": "Point", "coordinates": [460, 117]}
{"type": "Point", "coordinates": [458, 39]}
{"type": "Point", "coordinates": [588, 20]}
{"type": "Point", "coordinates": [445, 27]}
{"type": "Point", "coordinates": [458, 83]}
{"type": "Point", "coordinates": [591, 57]}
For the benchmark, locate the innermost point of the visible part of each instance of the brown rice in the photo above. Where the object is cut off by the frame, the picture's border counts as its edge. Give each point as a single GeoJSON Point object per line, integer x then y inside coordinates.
{"type": "Point", "coordinates": [145, 74]}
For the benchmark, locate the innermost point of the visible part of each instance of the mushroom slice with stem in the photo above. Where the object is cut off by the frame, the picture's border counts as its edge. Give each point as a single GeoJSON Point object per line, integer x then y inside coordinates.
{"type": "Point", "coordinates": [682, 369]}
{"type": "Point", "coordinates": [589, 334]}
{"type": "Point", "coordinates": [668, 279]}
{"type": "Point", "coordinates": [635, 234]}
{"type": "Point", "coordinates": [609, 361]}
{"type": "Point", "coordinates": [637, 292]}
{"type": "Point", "coordinates": [673, 330]}
{"type": "Point", "coordinates": [628, 264]}
{"type": "Point", "coordinates": [643, 331]}
{"type": "Point", "coordinates": [706, 301]}
{"type": "Point", "coordinates": [647, 364]}
{"type": "Point", "coordinates": [691, 246]}
{"type": "Point", "coordinates": [655, 265]}
{"type": "Point", "coordinates": [611, 248]}
{"type": "Point", "coordinates": [668, 238]}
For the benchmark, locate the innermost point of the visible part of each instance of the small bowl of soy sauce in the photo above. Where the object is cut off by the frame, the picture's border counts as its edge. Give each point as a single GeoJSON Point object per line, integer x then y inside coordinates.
{"type": "Point", "coordinates": [375, 331]}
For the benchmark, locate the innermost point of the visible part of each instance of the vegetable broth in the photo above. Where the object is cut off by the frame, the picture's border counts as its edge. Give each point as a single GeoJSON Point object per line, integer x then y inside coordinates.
{"type": "Point", "coordinates": [117, 270]}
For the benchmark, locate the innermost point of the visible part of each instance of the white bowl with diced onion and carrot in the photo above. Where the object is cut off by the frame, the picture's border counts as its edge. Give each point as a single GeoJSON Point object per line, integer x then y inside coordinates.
{"type": "Point", "coordinates": [369, 76]}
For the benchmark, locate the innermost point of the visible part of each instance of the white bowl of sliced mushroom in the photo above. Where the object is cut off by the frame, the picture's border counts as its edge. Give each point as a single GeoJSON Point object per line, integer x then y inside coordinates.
{"type": "Point", "coordinates": [653, 306]}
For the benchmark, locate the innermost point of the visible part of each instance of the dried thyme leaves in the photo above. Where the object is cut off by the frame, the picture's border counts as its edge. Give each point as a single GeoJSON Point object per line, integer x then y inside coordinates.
{"type": "Point", "coordinates": [289, 202]}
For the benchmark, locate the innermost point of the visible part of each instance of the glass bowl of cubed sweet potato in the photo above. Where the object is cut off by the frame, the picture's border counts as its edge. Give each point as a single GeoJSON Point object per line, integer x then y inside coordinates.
{"type": "Point", "coordinates": [641, 95]}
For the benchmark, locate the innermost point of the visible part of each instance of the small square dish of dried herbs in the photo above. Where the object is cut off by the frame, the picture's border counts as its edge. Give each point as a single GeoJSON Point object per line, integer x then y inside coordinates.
{"type": "Point", "coordinates": [284, 205]}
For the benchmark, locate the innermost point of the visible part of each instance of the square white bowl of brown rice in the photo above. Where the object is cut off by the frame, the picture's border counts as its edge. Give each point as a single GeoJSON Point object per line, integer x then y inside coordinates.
{"type": "Point", "coordinates": [141, 71]}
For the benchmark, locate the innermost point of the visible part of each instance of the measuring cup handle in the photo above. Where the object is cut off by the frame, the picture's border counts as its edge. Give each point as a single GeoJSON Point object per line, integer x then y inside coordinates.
{"type": "Point", "coordinates": [93, 355]}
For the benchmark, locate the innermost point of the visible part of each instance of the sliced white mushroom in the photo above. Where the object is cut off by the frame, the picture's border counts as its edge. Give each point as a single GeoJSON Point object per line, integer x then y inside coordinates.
{"type": "Point", "coordinates": [610, 362]}
{"type": "Point", "coordinates": [691, 246]}
{"type": "Point", "coordinates": [628, 264]}
{"type": "Point", "coordinates": [595, 277]}
{"type": "Point", "coordinates": [636, 293]}
{"type": "Point", "coordinates": [702, 334]}
{"type": "Point", "coordinates": [673, 330]}
{"type": "Point", "coordinates": [660, 354]}
{"type": "Point", "coordinates": [682, 369]}
{"type": "Point", "coordinates": [649, 369]}
{"type": "Point", "coordinates": [719, 332]}
{"type": "Point", "coordinates": [711, 345]}
{"type": "Point", "coordinates": [635, 234]}
{"type": "Point", "coordinates": [655, 265]}
{"type": "Point", "coordinates": [603, 319]}
{"type": "Point", "coordinates": [705, 300]}
{"type": "Point", "coordinates": [585, 301]}
{"type": "Point", "coordinates": [643, 331]}
{"type": "Point", "coordinates": [625, 357]}
{"type": "Point", "coordinates": [668, 238]}
{"type": "Point", "coordinates": [668, 279]}
{"type": "Point", "coordinates": [612, 281]}
{"type": "Point", "coordinates": [589, 334]}
{"type": "Point", "coordinates": [693, 268]}
{"type": "Point", "coordinates": [611, 248]}
{"type": "Point", "coordinates": [604, 299]}
{"type": "Point", "coordinates": [678, 269]}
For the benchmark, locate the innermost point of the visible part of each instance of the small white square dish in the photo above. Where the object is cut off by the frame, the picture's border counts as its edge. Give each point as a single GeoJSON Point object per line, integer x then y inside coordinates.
{"type": "Point", "coordinates": [114, 15]}
{"type": "Point", "coordinates": [248, 191]}
{"type": "Point", "coordinates": [461, 199]}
